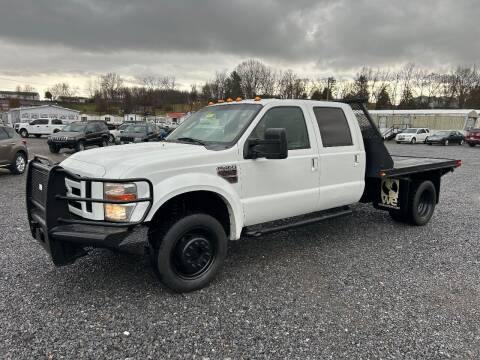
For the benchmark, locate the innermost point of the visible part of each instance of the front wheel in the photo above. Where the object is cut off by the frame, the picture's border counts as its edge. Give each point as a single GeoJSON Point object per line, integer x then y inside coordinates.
{"type": "Point", "coordinates": [188, 254]}
{"type": "Point", "coordinates": [413, 141]}
{"type": "Point", "coordinates": [461, 142]}
{"type": "Point", "coordinates": [19, 164]}
{"type": "Point", "coordinates": [80, 146]}
{"type": "Point", "coordinates": [446, 142]}
{"type": "Point", "coordinates": [471, 144]}
{"type": "Point", "coordinates": [104, 143]}
{"type": "Point", "coordinates": [111, 139]}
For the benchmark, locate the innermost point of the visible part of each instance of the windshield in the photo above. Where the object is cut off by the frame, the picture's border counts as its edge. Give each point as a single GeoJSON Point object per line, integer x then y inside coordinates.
{"type": "Point", "coordinates": [136, 128]}
{"type": "Point", "coordinates": [443, 133]}
{"type": "Point", "coordinates": [123, 126]}
{"type": "Point", "coordinates": [410, 131]}
{"type": "Point", "coordinates": [75, 127]}
{"type": "Point", "coordinates": [216, 124]}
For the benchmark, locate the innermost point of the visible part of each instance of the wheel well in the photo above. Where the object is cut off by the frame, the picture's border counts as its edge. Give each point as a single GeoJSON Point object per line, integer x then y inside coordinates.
{"type": "Point", "coordinates": [206, 202]}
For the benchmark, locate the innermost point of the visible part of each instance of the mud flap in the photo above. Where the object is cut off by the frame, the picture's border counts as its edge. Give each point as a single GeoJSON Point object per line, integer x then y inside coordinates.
{"type": "Point", "coordinates": [392, 194]}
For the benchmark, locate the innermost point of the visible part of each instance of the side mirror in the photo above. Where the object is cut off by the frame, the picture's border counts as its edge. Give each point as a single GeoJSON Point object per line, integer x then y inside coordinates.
{"type": "Point", "coordinates": [274, 146]}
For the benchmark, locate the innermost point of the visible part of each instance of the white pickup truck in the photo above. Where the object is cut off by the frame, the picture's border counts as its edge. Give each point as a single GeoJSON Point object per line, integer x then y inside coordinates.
{"type": "Point", "coordinates": [227, 168]}
{"type": "Point", "coordinates": [40, 127]}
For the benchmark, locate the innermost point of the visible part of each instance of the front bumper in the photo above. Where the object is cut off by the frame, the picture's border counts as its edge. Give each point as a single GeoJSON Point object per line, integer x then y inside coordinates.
{"type": "Point", "coordinates": [473, 141]}
{"type": "Point", "coordinates": [62, 143]}
{"type": "Point", "coordinates": [435, 141]}
{"type": "Point", "coordinates": [403, 140]}
{"type": "Point", "coordinates": [64, 235]}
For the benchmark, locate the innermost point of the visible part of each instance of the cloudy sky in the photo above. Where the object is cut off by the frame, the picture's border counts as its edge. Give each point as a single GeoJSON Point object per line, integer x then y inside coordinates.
{"type": "Point", "coordinates": [46, 41]}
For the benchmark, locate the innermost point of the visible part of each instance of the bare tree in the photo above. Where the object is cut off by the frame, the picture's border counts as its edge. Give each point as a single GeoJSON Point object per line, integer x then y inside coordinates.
{"type": "Point", "coordinates": [62, 90]}
{"type": "Point", "coordinates": [110, 85]}
{"type": "Point", "coordinates": [256, 78]}
{"type": "Point", "coordinates": [25, 88]}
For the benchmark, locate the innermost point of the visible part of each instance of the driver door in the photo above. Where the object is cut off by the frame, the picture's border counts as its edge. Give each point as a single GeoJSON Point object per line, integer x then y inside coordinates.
{"type": "Point", "coordinates": [276, 189]}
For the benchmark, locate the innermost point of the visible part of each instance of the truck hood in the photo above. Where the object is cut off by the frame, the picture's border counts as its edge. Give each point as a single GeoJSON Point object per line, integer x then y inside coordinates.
{"type": "Point", "coordinates": [115, 160]}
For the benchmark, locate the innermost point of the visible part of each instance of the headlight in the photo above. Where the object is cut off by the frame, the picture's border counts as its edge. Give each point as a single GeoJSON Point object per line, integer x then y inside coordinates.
{"type": "Point", "coordinates": [119, 192]}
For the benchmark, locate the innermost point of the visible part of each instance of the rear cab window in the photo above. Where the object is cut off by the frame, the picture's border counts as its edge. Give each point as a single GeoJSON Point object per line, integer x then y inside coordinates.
{"type": "Point", "coordinates": [334, 127]}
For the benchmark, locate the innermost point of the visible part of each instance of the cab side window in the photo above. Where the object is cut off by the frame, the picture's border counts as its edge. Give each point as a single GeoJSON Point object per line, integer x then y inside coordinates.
{"type": "Point", "coordinates": [10, 132]}
{"type": "Point", "coordinates": [3, 134]}
{"type": "Point", "coordinates": [90, 128]}
{"type": "Point", "coordinates": [334, 127]}
{"type": "Point", "coordinates": [56, 122]}
{"type": "Point", "coordinates": [289, 118]}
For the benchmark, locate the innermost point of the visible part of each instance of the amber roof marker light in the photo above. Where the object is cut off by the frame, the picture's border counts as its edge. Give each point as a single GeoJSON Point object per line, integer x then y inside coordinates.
{"type": "Point", "coordinates": [211, 103]}
{"type": "Point", "coordinates": [238, 99]}
{"type": "Point", "coordinates": [229, 100]}
{"type": "Point", "coordinates": [257, 98]}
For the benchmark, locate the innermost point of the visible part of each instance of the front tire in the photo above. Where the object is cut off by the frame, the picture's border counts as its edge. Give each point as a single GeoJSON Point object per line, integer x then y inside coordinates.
{"type": "Point", "coordinates": [445, 142]}
{"type": "Point", "coordinates": [413, 141]}
{"type": "Point", "coordinates": [188, 254]}
{"type": "Point", "coordinates": [471, 144]}
{"type": "Point", "coordinates": [19, 164]}
{"type": "Point", "coordinates": [111, 139]}
{"type": "Point", "coordinates": [461, 142]}
{"type": "Point", "coordinates": [104, 143]}
{"type": "Point", "coordinates": [80, 146]}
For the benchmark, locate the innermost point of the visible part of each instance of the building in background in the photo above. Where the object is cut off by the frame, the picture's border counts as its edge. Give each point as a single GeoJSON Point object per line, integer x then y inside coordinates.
{"type": "Point", "coordinates": [434, 119]}
{"type": "Point", "coordinates": [29, 113]}
{"type": "Point", "coordinates": [19, 98]}
{"type": "Point", "coordinates": [109, 119]}
{"type": "Point", "coordinates": [176, 117]}
{"type": "Point", "coordinates": [73, 99]}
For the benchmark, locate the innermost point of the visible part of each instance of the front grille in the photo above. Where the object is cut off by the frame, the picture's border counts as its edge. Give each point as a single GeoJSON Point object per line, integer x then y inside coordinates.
{"type": "Point", "coordinates": [59, 138]}
{"type": "Point", "coordinates": [39, 185]}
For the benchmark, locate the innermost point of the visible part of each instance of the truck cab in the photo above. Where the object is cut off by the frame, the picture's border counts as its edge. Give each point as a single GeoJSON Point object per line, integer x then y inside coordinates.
{"type": "Point", "coordinates": [227, 169]}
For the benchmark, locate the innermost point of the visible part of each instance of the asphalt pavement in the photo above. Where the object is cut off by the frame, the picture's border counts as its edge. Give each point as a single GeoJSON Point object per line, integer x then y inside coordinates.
{"type": "Point", "coordinates": [355, 287]}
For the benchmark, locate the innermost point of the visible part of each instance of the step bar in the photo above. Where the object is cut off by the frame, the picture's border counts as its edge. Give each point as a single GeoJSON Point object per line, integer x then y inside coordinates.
{"type": "Point", "coordinates": [325, 216]}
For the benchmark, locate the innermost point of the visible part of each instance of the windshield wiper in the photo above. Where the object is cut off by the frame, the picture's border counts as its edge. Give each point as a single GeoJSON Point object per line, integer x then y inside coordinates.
{"type": "Point", "coordinates": [192, 140]}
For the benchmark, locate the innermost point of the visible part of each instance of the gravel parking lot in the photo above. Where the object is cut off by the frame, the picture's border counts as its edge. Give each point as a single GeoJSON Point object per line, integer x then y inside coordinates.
{"type": "Point", "coordinates": [355, 287]}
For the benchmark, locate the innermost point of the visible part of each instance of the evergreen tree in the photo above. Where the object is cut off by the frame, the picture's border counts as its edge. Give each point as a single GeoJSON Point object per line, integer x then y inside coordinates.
{"type": "Point", "coordinates": [383, 100]}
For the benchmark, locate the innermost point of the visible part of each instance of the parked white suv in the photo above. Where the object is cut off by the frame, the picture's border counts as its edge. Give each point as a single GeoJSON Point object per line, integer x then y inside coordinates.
{"type": "Point", "coordinates": [413, 135]}
{"type": "Point", "coordinates": [40, 127]}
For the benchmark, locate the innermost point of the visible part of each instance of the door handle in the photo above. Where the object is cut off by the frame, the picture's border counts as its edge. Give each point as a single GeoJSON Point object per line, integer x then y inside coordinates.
{"type": "Point", "coordinates": [314, 164]}
{"type": "Point", "coordinates": [356, 159]}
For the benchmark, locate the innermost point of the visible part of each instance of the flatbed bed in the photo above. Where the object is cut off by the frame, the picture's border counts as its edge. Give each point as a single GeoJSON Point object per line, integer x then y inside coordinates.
{"type": "Point", "coordinates": [406, 165]}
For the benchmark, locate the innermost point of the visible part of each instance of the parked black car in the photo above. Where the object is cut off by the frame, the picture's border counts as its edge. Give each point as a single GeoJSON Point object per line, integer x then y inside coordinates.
{"type": "Point", "coordinates": [140, 132]}
{"type": "Point", "coordinates": [446, 137]}
{"type": "Point", "coordinates": [78, 135]}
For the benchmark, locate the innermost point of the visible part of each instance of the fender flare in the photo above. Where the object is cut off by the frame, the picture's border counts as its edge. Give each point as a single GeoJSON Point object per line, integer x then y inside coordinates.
{"type": "Point", "coordinates": [185, 183]}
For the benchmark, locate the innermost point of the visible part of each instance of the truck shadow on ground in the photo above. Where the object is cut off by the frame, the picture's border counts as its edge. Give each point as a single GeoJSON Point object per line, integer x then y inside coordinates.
{"type": "Point", "coordinates": [118, 273]}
